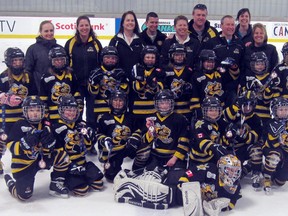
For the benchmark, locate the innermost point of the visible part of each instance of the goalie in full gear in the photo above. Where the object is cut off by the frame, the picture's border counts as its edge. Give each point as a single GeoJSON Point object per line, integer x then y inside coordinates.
{"type": "Point", "coordinates": [117, 135]}
{"type": "Point", "coordinates": [15, 85]}
{"type": "Point", "coordinates": [32, 145]}
{"type": "Point", "coordinates": [57, 82]}
{"type": "Point", "coordinates": [106, 79]}
{"type": "Point", "coordinates": [206, 135]}
{"type": "Point", "coordinates": [147, 80]}
{"type": "Point", "coordinates": [217, 185]}
{"type": "Point", "coordinates": [243, 135]}
{"type": "Point", "coordinates": [75, 137]}
{"type": "Point", "coordinates": [179, 79]}
{"type": "Point", "coordinates": [275, 147]}
{"type": "Point", "coordinates": [165, 139]}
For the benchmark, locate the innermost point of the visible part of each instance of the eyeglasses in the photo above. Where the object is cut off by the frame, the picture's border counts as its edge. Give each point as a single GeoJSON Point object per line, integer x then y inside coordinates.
{"type": "Point", "coordinates": [200, 6]}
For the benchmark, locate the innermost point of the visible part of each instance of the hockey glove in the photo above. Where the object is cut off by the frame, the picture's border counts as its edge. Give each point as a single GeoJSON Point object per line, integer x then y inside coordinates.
{"type": "Point", "coordinates": [96, 77]}
{"type": "Point", "coordinates": [138, 72]}
{"type": "Point", "coordinates": [47, 138]}
{"type": "Point", "coordinates": [132, 146]}
{"type": "Point", "coordinates": [107, 143]}
{"type": "Point", "coordinates": [218, 150]}
{"type": "Point", "coordinates": [30, 140]}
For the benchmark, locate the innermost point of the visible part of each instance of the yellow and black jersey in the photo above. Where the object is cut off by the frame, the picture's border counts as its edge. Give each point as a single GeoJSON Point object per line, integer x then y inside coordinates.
{"type": "Point", "coordinates": [171, 136]}
{"type": "Point", "coordinates": [110, 81]}
{"type": "Point", "coordinates": [21, 85]}
{"type": "Point", "coordinates": [179, 81]}
{"type": "Point", "coordinates": [205, 134]}
{"type": "Point", "coordinates": [75, 144]}
{"type": "Point", "coordinates": [277, 135]}
{"type": "Point", "coordinates": [23, 159]}
{"type": "Point", "coordinates": [53, 86]}
{"type": "Point", "coordinates": [145, 90]}
{"type": "Point", "coordinates": [206, 84]}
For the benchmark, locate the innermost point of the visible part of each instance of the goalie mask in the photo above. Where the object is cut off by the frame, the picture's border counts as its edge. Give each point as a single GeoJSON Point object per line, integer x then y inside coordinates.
{"type": "Point", "coordinates": [229, 168]}
{"type": "Point", "coordinates": [207, 60]}
{"type": "Point", "coordinates": [164, 102]}
{"type": "Point", "coordinates": [14, 59]}
{"type": "Point", "coordinates": [279, 108]}
{"type": "Point", "coordinates": [149, 56]}
{"type": "Point", "coordinates": [58, 59]}
{"type": "Point", "coordinates": [177, 54]}
{"type": "Point", "coordinates": [211, 109]}
{"type": "Point", "coordinates": [33, 109]}
{"type": "Point", "coordinates": [118, 102]}
{"type": "Point", "coordinates": [285, 52]}
{"type": "Point", "coordinates": [259, 63]}
{"type": "Point", "coordinates": [109, 57]}
{"type": "Point", "coordinates": [247, 102]}
{"type": "Point", "coordinates": [68, 109]}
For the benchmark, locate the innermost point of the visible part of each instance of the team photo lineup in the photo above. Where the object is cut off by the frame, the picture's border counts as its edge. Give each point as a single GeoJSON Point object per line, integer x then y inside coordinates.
{"type": "Point", "coordinates": [196, 112]}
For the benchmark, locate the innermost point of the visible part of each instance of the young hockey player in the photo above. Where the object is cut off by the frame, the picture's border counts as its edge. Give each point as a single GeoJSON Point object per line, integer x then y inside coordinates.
{"type": "Point", "coordinates": [216, 185]}
{"type": "Point", "coordinates": [15, 85]}
{"type": "Point", "coordinates": [57, 82]}
{"type": "Point", "coordinates": [207, 81]}
{"type": "Point", "coordinates": [114, 132]}
{"type": "Point", "coordinates": [206, 134]}
{"type": "Point", "coordinates": [32, 145]}
{"type": "Point", "coordinates": [165, 140]}
{"type": "Point", "coordinates": [179, 79]}
{"type": "Point", "coordinates": [147, 81]}
{"type": "Point", "coordinates": [106, 79]}
{"type": "Point", "coordinates": [75, 137]}
{"type": "Point", "coordinates": [243, 134]}
{"type": "Point", "coordinates": [275, 147]}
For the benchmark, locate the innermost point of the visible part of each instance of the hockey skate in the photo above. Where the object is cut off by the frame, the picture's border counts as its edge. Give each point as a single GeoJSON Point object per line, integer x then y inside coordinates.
{"type": "Point", "coordinates": [9, 181]}
{"type": "Point", "coordinates": [267, 185]}
{"type": "Point", "coordinates": [256, 180]}
{"type": "Point", "coordinates": [58, 189]}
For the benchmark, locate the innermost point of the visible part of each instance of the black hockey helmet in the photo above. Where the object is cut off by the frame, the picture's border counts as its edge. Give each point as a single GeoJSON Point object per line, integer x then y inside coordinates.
{"type": "Point", "coordinates": [275, 104]}
{"type": "Point", "coordinates": [58, 53]}
{"type": "Point", "coordinates": [33, 101]}
{"type": "Point", "coordinates": [256, 58]}
{"type": "Point", "coordinates": [165, 95]}
{"type": "Point", "coordinates": [10, 54]}
{"type": "Point", "coordinates": [206, 55]}
{"type": "Point", "coordinates": [177, 48]}
{"type": "Point", "coordinates": [109, 51]}
{"type": "Point", "coordinates": [285, 50]}
{"type": "Point", "coordinates": [118, 94]}
{"type": "Point", "coordinates": [68, 102]}
{"type": "Point", "coordinates": [247, 101]}
{"type": "Point", "coordinates": [208, 103]}
{"type": "Point", "coordinates": [149, 50]}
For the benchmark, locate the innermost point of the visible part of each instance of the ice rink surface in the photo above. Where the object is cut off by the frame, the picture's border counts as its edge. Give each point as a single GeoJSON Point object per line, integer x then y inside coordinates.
{"type": "Point", "coordinates": [102, 203]}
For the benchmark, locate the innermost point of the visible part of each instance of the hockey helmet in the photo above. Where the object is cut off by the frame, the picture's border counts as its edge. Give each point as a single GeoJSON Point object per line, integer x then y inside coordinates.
{"type": "Point", "coordinates": [276, 103]}
{"type": "Point", "coordinates": [175, 50]}
{"type": "Point", "coordinates": [149, 50]}
{"type": "Point", "coordinates": [118, 107]}
{"type": "Point", "coordinates": [111, 62]}
{"type": "Point", "coordinates": [285, 51]}
{"type": "Point", "coordinates": [211, 103]}
{"type": "Point", "coordinates": [207, 55]}
{"type": "Point", "coordinates": [58, 58]}
{"type": "Point", "coordinates": [164, 102]}
{"type": "Point", "coordinates": [247, 101]}
{"type": "Point", "coordinates": [259, 63]}
{"type": "Point", "coordinates": [31, 102]}
{"type": "Point", "coordinates": [11, 54]}
{"type": "Point", "coordinates": [68, 109]}
{"type": "Point", "coordinates": [229, 167]}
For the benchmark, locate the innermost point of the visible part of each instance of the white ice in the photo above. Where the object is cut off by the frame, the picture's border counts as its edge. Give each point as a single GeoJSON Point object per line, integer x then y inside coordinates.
{"type": "Point", "coordinates": [102, 203]}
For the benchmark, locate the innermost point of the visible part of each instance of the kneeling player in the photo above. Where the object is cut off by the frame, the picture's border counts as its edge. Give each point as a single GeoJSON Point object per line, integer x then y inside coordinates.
{"type": "Point", "coordinates": [76, 137]}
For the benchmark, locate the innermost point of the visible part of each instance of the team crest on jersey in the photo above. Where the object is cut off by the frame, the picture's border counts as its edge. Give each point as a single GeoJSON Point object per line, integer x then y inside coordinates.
{"type": "Point", "coordinates": [213, 88]}
{"type": "Point", "coordinates": [121, 132]}
{"type": "Point", "coordinates": [163, 133]}
{"type": "Point", "coordinates": [214, 136]}
{"type": "Point", "coordinates": [284, 138]}
{"type": "Point", "coordinates": [208, 191]}
{"type": "Point", "coordinates": [202, 167]}
{"type": "Point", "coordinates": [176, 86]}
{"type": "Point", "coordinates": [72, 137]}
{"type": "Point", "coordinates": [19, 90]}
{"type": "Point", "coordinates": [107, 85]}
{"type": "Point", "coordinates": [59, 89]}
{"type": "Point", "coordinates": [199, 124]}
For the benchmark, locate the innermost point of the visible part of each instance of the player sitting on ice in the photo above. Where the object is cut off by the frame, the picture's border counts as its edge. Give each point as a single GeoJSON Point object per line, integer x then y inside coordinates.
{"type": "Point", "coordinates": [215, 186]}
{"type": "Point", "coordinates": [75, 137]}
{"type": "Point", "coordinates": [276, 145]}
{"type": "Point", "coordinates": [32, 145]}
